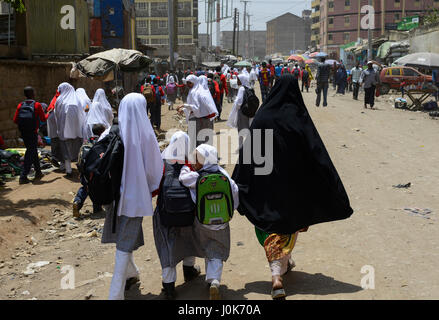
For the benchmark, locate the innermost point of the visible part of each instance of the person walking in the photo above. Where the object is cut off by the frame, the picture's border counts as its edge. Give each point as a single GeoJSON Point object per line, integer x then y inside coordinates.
{"type": "Point", "coordinates": [356, 74]}
{"type": "Point", "coordinates": [305, 78]}
{"type": "Point", "coordinates": [171, 91]}
{"type": "Point", "coordinates": [341, 78]}
{"type": "Point", "coordinates": [302, 189]}
{"type": "Point", "coordinates": [28, 115]}
{"type": "Point", "coordinates": [369, 79]}
{"type": "Point", "coordinates": [70, 120]}
{"type": "Point", "coordinates": [200, 110]}
{"type": "Point", "coordinates": [322, 78]}
{"type": "Point", "coordinates": [264, 80]}
{"type": "Point", "coordinates": [174, 233]}
{"type": "Point", "coordinates": [334, 75]}
{"type": "Point", "coordinates": [156, 108]}
{"type": "Point", "coordinates": [236, 118]}
{"type": "Point", "coordinates": [140, 180]}
{"type": "Point", "coordinates": [221, 79]}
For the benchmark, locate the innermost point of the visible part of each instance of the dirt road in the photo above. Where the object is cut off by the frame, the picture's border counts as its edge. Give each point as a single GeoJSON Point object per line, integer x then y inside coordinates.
{"type": "Point", "coordinates": [373, 150]}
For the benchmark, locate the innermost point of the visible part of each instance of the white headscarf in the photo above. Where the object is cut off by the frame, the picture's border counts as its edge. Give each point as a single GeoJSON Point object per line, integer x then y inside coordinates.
{"type": "Point", "coordinates": [143, 164]}
{"type": "Point", "coordinates": [178, 148]}
{"type": "Point", "coordinates": [200, 99]}
{"type": "Point", "coordinates": [83, 97]}
{"type": "Point", "coordinates": [171, 79]}
{"type": "Point", "coordinates": [97, 114]}
{"type": "Point", "coordinates": [69, 113]}
{"type": "Point", "coordinates": [102, 98]}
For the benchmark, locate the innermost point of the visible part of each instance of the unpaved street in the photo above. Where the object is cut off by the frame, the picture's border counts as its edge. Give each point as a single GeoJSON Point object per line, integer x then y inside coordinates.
{"type": "Point", "coordinates": [373, 150]}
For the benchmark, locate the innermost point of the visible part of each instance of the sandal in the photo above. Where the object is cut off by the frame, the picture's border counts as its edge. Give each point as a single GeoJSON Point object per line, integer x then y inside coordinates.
{"type": "Point", "coordinates": [278, 294]}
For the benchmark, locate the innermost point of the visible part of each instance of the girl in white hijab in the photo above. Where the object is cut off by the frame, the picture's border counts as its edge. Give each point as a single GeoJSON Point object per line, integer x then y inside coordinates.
{"type": "Point", "coordinates": [200, 110]}
{"type": "Point", "coordinates": [174, 244]}
{"type": "Point", "coordinates": [83, 97]}
{"type": "Point", "coordinates": [106, 106]}
{"type": "Point", "coordinates": [237, 119]}
{"type": "Point", "coordinates": [141, 176]}
{"type": "Point", "coordinates": [98, 114]}
{"type": "Point", "coordinates": [70, 119]}
{"type": "Point", "coordinates": [213, 239]}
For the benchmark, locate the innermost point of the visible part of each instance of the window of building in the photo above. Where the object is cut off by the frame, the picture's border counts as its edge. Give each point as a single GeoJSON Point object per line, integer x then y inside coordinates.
{"type": "Point", "coordinates": [347, 4]}
{"type": "Point", "coordinates": [162, 6]}
{"type": "Point", "coordinates": [347, 21]}
{"type": "Point", "coordinates": [164, 41]}
{"type": "Point", "coordinates": [163, 24]}
{"type": "Point", "coordinates": [155, 41]}
{"type": "Point", "coordinates": [397, 3]}
{"type": "Point", "coordinates": [397, 17]}
{"type": "Point", "coordinates": [180, 5]}
{"type": "Point", "coordinates": [141, 6]}
{"type": "Point", "coordinates": [331, 6]}
{"type": "Point", "coordinates": [346, 36]}
{"type": "Point", "coordinates": [181, 24]}
{"type": "Point", "coordinates": [330, 37]}
{"type": "Point", "coordinates": [141, 24]}
{"type": "Point", "coordinates": [331, 21]}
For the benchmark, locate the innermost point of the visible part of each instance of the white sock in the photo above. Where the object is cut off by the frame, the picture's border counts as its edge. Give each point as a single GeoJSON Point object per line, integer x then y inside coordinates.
{"type": "Point", "coordinates": [169, 275]}
{"type": "Point", "coordinates": [214, 270]}
{"type": "Point", "coordinates": [117, 287]}
{"type": "Point", "coordinates": [68, 165]}
{"type": "Point", "coordinates": [132, 270]}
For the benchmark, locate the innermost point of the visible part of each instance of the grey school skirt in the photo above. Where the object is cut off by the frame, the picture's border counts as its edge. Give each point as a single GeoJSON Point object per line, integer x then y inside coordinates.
{"type": "Point", "coordinates": [176, 243]}
{"type": "Point", "coordinates": [70, 148]}
{"type": "Point", "coordinates": [129, 232]}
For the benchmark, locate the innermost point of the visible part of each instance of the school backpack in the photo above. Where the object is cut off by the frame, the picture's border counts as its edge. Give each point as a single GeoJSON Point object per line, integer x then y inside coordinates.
{"type": "Point", "coordinates": [148, 93]}
{"type": "Point", "coordinates": [211, 86]}
{"type": "Point", "coordinates": [214, 198]}
{"type": "Point", "coordinates": [83, 151]}
{"type": "Point", "coordinates": [296, 73]}
{"type": "Point", "coordinates": [251, 103]}
{"type": "Point", "coordinates": [171, 88]}
{"type": "Point", "coordinates": [26, 118]}
{"type": "Point", "coordinates": [103, 170]}
{"type": "Point", "coordinates": [217, 78]}
{"type": "Point", "coordinates": [175, 203]}
{"type": "Point", "coordinates": [158, 98]}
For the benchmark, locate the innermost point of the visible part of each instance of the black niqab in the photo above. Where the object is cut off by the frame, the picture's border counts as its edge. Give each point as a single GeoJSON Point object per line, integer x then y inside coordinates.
{"type": "Point", "coordinates": [304, 187]}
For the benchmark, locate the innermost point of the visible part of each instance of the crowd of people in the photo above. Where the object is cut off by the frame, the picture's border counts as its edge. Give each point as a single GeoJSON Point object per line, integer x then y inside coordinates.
{"type": "Point", "coordinates": [196, 196]}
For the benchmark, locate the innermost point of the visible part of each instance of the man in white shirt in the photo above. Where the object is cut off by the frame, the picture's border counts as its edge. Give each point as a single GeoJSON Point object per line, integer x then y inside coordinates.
{"type": "Point", "coordinates": [356, 74]}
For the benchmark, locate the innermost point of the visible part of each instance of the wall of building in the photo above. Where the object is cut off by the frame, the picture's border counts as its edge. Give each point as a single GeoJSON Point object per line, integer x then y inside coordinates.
{"type": "Point", "coordinates": [44, 77]}
{"type": "Point", "coordinates": [257, 46]}
{"type": "Point", "coordinates": [288, 32]}
{"type": "Point", "coordinates": [425, 39]}
{"type": "Point", "coordinates": [152, 25]}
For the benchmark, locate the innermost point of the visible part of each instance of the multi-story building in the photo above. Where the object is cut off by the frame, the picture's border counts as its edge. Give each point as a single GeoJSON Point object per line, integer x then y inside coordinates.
{"type": "Point", "coordinates": [340, 20]}
{"type": "Point", "coordinates": [152, 26]}
{"type": "Point", "coordinates": [257, 46]}
{"type": "Point", "coordinates": [315, 25]}
{"type": "Point", "coordinates": [289, 32]}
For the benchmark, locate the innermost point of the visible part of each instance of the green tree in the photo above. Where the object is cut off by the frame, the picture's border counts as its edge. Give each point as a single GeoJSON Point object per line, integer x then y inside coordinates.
{"type": "Point", "coordinates": [18, 5]}
{"type": "Point", "coordinates": [432, 17]}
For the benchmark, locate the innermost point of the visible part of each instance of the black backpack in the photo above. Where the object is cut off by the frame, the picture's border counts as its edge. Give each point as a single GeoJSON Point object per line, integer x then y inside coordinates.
{"type": "Point", "coordinates": [103, 170]}
{"type": "Point", "coordinates": [211, 85]}
{"type": "Point", "coordinates": [296, 73]}
{"type": "Point", "coordinates": [83, 152]}
{"type": "Point", "coordinates": [175, 203]}
{"type": "Point", "coordinates": [251, 103]}
{"type": "Point", "coordinates": [26, 119]}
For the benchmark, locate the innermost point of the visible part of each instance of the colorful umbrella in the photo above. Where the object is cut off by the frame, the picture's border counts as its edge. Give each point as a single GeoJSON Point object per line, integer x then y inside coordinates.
{"type": "Point", "coordinates": [310, 61]}
{"type": "Point", "coordinates": [296, 58]}
{"type": "Point", "coordinates": [318, 54]}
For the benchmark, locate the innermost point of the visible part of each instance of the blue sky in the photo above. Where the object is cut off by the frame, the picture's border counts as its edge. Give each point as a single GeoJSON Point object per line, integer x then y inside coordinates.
{"type": "Point", "coordinates": [261, 11]}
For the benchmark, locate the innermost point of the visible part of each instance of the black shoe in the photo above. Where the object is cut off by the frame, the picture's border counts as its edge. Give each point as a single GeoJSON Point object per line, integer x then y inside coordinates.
{"type": "Point", "coordinates": [169, 290]}
{"type": "Point", "coordinates": [23, 180]}
{"type": "Point", "coordinates": [130, 282]}
{"type": "Point", "coordinates": [75, 209]}
{"type": "Point", "coordinates": [55, 163]}
{"type": "Point", "coordinates": [39, 175]}
{"type": "Point", "coordinates": [97, 209]}
{"type": "Point", "coordinates": [190, 273]}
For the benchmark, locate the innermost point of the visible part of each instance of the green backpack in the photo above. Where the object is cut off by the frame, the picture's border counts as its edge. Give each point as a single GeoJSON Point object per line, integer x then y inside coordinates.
{"type": "Point", "coordinates": [214, 198]}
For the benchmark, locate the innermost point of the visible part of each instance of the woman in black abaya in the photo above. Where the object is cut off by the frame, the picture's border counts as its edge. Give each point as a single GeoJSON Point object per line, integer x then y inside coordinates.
{"type": "Point", "coordinates": [303, 187]}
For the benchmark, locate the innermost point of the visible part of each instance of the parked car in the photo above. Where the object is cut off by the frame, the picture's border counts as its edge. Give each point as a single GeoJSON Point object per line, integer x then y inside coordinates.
{"type": "Point", "coordinates": [392, 77]}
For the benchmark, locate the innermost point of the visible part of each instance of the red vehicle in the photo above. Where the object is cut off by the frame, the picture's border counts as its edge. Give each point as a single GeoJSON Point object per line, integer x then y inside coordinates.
{"type": "Point", "coordinates": [391, 78]}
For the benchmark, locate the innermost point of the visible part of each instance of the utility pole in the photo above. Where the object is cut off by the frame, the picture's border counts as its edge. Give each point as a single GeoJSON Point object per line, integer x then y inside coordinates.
{"type": "Point", "coordinates": [173, 31]}
{"type": "Point", "coordinates": [237, 36]}
{"type": "Point", "coordinates": [245, 24]}
{"type": "Point", "coordinates": [248, 36]}
{"type": "Point", "coordinates": [234, 31]}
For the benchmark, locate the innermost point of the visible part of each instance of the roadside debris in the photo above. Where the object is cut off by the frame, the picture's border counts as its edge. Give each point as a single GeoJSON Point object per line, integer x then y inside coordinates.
{"type": "Point", "coordinates": [403, 186]}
